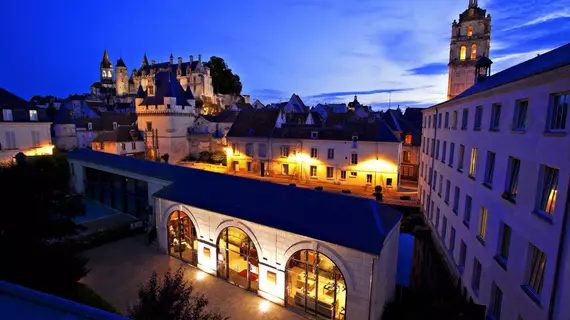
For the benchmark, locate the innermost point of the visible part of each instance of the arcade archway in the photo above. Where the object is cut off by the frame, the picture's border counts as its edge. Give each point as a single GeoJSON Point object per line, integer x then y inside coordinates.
{"type": "Point", "coordinates": [182, 238]}
{"type": "Point", "coordinates": [237, 259]}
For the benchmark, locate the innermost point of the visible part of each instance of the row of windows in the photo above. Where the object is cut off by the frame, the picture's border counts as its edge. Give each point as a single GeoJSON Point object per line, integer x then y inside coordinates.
{"type": "Point", "coordinates": [556, 117]}
{"type": "Point", "coordinates": [8, 116]}
{"type": "Point", "coordinates": [548, 187]}
{"type": "Point", "coordinates": [285, 152]}
{"type": "Point", "coordinates": [534, 277]}
{"type": "Point", "coordinates": [123, 146]}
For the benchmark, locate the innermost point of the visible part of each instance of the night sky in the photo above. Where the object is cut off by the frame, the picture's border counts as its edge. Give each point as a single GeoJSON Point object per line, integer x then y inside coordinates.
{"type": "Point", "coordinates": [323, 50]}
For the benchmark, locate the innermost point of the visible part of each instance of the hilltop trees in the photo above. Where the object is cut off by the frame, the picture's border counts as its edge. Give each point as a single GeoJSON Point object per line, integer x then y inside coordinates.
{"type": "Point", "coordinates": [223, 79]}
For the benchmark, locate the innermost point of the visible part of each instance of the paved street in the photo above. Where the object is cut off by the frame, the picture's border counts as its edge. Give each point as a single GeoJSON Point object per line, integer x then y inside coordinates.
{"type": "Point", "coordinates": [391, 196]}
{"type": "Point", "coordinates": [118, 268]}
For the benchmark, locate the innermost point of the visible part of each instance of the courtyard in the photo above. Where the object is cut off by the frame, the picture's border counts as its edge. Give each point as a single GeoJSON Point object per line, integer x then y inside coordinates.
{"type": "Point", "coordinates": [118, 268]}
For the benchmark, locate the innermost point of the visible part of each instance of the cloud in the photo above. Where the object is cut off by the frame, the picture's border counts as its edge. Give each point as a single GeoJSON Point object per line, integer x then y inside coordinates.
{"type": "Point", "coordinates": [541, 19]}
{"type": "Point", "coordinates": [361, 93]}
{"type": "Point", "coordinates": [430, 69]}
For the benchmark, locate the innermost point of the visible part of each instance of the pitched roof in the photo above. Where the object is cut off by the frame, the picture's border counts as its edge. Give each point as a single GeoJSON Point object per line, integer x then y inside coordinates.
{"type": "Point", "coordinates": [397, 122]}
{"type": "Point", "coordinates": [550, 60]}
{"type": "Point", "coordinates": [121, 63]}
{"type": "Point", "coordinates": [188, 93]}
{"type": "Point", "coordinates": [317, 118]}
{"type": "Point", "coordinates": [121, 134]}
{"type": "Point", "coordinates": [224, 116]}
{"type": "Point", "coordinates": [254, 123]}
{"type": "Point", "coordinates": [106, 63]}
{"type": "Point", "coordinates": [166, 86]}
{"type": "Point", "coordinates": [63, 116]}
{"type": "Point", "coordinates": [140, 92]}
{"type": "Point", "coordinates": [105, 122]}
{"type": "Point", "coordinates": [173, 67]}
{"type": "Point", "coordinates": [266, 203]}
{"type": "Point", "coordinates": [20, 108]}
{"type": "Point", "coordinates": [365, 130]}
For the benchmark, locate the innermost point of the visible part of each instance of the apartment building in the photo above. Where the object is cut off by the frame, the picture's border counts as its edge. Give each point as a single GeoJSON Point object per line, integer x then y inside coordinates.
{"type": "Point", "coordinates": [494, 177]}
{"type": "Point", "coordinates": [23, 128]}
{"type": "Point", "coordinates": [350, 151]}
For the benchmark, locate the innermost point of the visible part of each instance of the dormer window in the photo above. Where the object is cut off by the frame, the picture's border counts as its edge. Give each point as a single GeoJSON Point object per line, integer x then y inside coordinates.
{"type": "Point", "coordinates": [408, 139]}
{"type": "Point", "coordinates": [314, 134]}
{"type": "Point", "coordinates": [354, 142]}
{"type": "Point", "coordinates": [33, 115]}
{"type": "Point", "coordinates": [7, 113]}
{"type": "Point", "coordinates": [115, 125]}
{"type": "Point", "coordinates": [89, 126]}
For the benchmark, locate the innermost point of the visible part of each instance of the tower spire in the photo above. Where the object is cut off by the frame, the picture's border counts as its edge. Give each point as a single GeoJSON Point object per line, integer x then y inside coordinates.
{"type": "Point", "coordinates": [472, 3]}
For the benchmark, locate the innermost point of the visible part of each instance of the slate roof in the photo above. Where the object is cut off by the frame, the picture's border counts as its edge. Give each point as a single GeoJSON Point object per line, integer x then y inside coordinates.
{"type": "Point", "coordinates": [317, 118]}
{"type": "Point", "coordinates": [292, 209]}
{"type": "Point", "coordinates": [105, 122]}
{"type": "Point", "coordinates": [224, 116]}
{"type": "Point", "coordinates": [397, 122]}
{"type": "Point", "coordinates": [63, 116]}
{"type": "Point", "coordinates": [188, 93]}
{"type": "Point", "coordinates": [550, 60]}
{"type": "Point", "coordinates": [121, 63]}
{"type": "Point", "coordinates": [121, 134]}
{"type": "Point", "coordinates": [365, 130]}
{"type": "Point", "coordinates": [20, 108]}
{"type": "Point", "coordinates": [254, 123]}
{"type": "Point", "coordinates": [194, 66]}
{"type": "Point", "coordinates": [166, 86]}
{"type": "Point", "coordinates": [297, 117]}
{"type": "Point", "coordinates": [106, 63]}
{"type": "Point", "coordinates": [242, 105]}
{"type": "Point", "coordinates": [140, 92]}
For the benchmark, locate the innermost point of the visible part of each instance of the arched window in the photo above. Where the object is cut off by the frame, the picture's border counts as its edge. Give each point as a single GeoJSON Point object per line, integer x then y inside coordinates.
{"type": "Point", "coordinates": [182, 238]}
{"type": "Point", "coordinates": [237, 259]}
{"type": "Point", "coordinates": [469, 31]}
{"type": "Point", "coordinates": [315, 285]}
{"type": "Point", "coordinates": [463, 53]}
{"type": "Point", "coordinates": [408, 139]}
{"type": "Point", "coordinates": [473, 51]}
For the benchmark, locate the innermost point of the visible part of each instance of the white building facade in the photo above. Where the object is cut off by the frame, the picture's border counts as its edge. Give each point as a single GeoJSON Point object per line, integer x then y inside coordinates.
{"type": "Point", "coordinates": [345, 275]}
{"type": "Point", "coordinates": [495, 171]}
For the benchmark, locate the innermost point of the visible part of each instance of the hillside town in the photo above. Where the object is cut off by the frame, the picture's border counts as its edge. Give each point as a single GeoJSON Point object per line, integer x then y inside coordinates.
{"type": "Point", "coordinates": [302, 211]}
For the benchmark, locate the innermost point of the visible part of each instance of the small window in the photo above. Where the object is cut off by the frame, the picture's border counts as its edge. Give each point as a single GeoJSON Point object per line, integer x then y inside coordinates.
{"type": "Point", "coordinates": [330, 154]}
{"type": "Point", "coordinates": [461, 157]}
{"type": "Point", "coordinates": [473, 52]}
{"type": "Point", "coordinates": [489, 168]}
{"type": "Point", "coordinates": [496, 302]}
{"type": "Point", "coordinates": [353, 174]}
{"type": "Point", "coordinates": [504, 244]}
{"type": "Point", "coordinates": [464, 119]}
{"type": "Point", "coordinates": [368, 179]}
{"type": "Point", "coordinates": [408, 139]}
{"type": "Point", "coordinates": [284, 151]}
{"type": "Point", "coordinates": [123, 146]}
{"type": "Point", "coordinates": [469, 31]}
{"type": "Point", "coordinates": [343, 174]}
{"type": "Point", "coordinates": [444, 229]}
{"type": "Point", "coordinates": [148, 126]}
{"type": "Point", "coordinates": [285, 169]}
{"type": "Point", "coordinates": [558, 112]}
{"type": "Point", "coordinates": [463, 53]}
{"type": "Point", "coordinates": [439, 120]}
{"type": "Point", "coordinates": [115, 125]}
{"type": "Point", "coordinates": [7, 115]}
{"type": "Point", "coordinates": [467, 214]}
{"type": "Point", "coordinates": [454, 120]}
{"type": "Point", "coordinates": [235, 148]}
{"type": "Point", "coordinates": [535, 275]}
{"type": "Point", "coordinates": [456, 199]}
{"type": "Point", "coordinates": [444, 151]}
{"type": "Point", "coordinates": [548, 189]}
{"type": "Point", "coordinates": [447, 190]}
{"type": "Point", "coordinates": [354, 142]}
{"type": "Point", "coordinates": [511, 188]}
{"type": "Point", "coordinates": [249, 149]}
{"type": "Point", "coordinates": [354, 158]}
{"type": "Point", "coordinates": [407, 156]}
{"type": "Point", "coordinates": [478, 118]}
{"type": "Point", "coordinates": [314, 135]}
{"type": "Point", "coordinates": [389, 182]}
{"type": "Point", "coordinates": [314, 153]}
{"type": "Point", "coordinates": [451, 153]}
{"type": "Point", "coordinates": [89, 126]}
{"type": "Point", "coordinates": [476, 278]}
{"type": "Point", "coordinates": [462, 254]}
{"type": "Point", "coordinates": [473, 163]}
{"type": "Point", "coordinates": [249, 166]}
{"type": "Point", "coordinates": [134, 145]}
{"type": "Point", "coordinates": [519, 117]}
{"type": "Point", "coordinates": [313, 171]}
{"type": "Point", "coordinates": [33, 115]}
{"type": "Point", "coordinates": [330, 172]}
{"type": "Point", "coordinates": [482, 229]}
{"type": "Point", "coordinates": [452, 240]}
{"type": "Point", "coordinates": [446, 120]}
{"type": "Point", "coordinates": [262, 150]}
{"type": "Point", "coordinates": [495, 117]}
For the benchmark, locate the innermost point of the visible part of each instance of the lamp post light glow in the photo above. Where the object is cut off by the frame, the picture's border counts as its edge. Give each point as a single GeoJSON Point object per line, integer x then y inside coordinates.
{"type": "Point", "coordinates": [200, 275]}
{"type": "Point", "coordinates": [264, 306]}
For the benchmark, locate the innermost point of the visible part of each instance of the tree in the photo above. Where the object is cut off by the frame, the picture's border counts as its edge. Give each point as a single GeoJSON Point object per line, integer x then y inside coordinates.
{"type": "Point", "coordinates": [223, 79]}
{"type": "Point", "coordinates": [171, 298]}
{"type": "Point", "coordinates": [35, 225]}
{"type": "Point", "coordinates": [51, 111]}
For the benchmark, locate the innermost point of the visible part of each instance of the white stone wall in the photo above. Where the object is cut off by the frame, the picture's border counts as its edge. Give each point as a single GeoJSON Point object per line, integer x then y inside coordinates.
{"type": "Point", "coordinates": [275, 247]}
{"type": "Point", "coordinates": [23, 134]}
{"type": "Point", "coordinates": [534, 148]}
{"type": "Point", "coordinates": [381, 160]}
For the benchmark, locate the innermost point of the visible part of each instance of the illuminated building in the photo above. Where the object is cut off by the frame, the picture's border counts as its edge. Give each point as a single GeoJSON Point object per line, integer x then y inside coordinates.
{"type": "Point", "coordinates": [342, 150]}
{"type": "Point", "coordinates": [495, 174]}
{"type": "Point", "coordinates": [23, 128]}
{"type": "Point", "coordinates": [328, 255]}
{"type": "Point", "coordinates": [470, 40]}
{"type": "Point", "coordinates": [123, 141]}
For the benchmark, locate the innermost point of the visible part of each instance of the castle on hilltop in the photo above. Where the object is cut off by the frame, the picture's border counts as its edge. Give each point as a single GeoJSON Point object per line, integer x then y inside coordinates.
{"type": "Point", "coordinates": [115, 80]}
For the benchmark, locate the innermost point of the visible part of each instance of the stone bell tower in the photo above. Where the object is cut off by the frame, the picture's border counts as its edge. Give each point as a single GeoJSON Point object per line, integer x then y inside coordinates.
{"type": "Point", "coordinates": [470, 40]}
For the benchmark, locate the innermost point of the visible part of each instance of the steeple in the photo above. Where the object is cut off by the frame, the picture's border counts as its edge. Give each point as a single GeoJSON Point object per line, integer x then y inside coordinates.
{"type": "Point", "coordinates": [106, 63]}
{"type": "Point", "coordinates": [171, 58]}
{"type": "Point", "coordinates": [472, 4]}
{"type": "Point", "coordinates": [145, 60]}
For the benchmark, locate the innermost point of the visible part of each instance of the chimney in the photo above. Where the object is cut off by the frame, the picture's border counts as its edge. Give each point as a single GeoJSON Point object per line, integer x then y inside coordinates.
{"type": "Point", "coordinates": [191, 59]}
{"type": "Point", "coordinates": [179, 60]}
{"type": "Point", "coordinates": [200, 58]}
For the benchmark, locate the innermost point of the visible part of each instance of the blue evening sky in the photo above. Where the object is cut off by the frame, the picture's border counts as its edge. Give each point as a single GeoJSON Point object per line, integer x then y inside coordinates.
{"type": "Point", "coordinates": [323, 50]}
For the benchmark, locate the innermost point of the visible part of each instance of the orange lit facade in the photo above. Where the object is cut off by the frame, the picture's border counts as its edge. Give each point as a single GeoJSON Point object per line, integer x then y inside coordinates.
{"type": "Point", "coordinates": [355, 163]}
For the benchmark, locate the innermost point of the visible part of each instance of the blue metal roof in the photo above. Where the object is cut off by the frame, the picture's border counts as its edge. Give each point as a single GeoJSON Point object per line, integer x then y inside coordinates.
{"type": "Point", "coordinates": [545, 62]}
{"type": "Point", "coordinates": [17, 302]}
{"type": "Point", "coordinates": [345, 220]}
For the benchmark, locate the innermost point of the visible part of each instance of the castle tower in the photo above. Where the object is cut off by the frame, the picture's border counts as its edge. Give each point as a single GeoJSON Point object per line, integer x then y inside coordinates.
{"type": "Point", "coordinates": [470, 40]}
{"type": "Point", "coordinates": [122, 82]}
{"type": "Point", "coordinates": [106, 71]}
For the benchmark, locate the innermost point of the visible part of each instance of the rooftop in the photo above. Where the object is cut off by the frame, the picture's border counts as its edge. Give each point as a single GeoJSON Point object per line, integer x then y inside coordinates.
{"type": "Point", "coordinates": [266, 203]}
